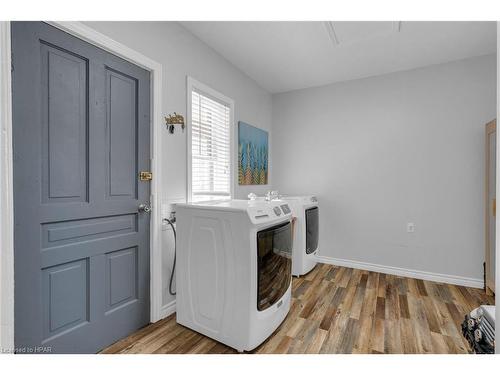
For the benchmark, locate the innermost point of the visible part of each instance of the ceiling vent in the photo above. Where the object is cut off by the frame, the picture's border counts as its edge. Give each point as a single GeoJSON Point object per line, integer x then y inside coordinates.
{"type": "Point", "coordinates": [350, 32]}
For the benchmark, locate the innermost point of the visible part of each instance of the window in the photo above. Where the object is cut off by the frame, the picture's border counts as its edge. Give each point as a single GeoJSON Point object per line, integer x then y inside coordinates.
{"type": "Point", "coordinates": [209, 143]}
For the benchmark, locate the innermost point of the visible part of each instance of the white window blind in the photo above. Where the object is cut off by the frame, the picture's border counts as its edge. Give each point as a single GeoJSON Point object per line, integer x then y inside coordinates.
{"type": "Point", "coordinates": [210, 147]}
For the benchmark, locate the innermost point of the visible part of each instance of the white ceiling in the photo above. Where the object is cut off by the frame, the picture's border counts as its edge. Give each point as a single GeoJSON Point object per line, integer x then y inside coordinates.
{"type": "Point", "coordinates": [284, 56]}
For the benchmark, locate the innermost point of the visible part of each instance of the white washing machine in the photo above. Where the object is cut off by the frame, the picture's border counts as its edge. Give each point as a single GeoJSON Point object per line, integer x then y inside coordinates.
{"type": "Point", "coordinates": [306, 234]}
{"type": "Point", "coordinates": [234, 269]}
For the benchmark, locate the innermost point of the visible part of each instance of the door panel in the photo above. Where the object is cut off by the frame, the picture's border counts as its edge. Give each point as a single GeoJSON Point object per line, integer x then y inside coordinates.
{"type": "Point", "coordinates": [121, 133]}
{"type": "Point", "coordinates": [65, 297]}
{"type": "Point", "coordinates": [81, 136]}
{"type": "Point", "coordinates": [121, 277]}
{"type": "Point", "coordinates": [64, 125]}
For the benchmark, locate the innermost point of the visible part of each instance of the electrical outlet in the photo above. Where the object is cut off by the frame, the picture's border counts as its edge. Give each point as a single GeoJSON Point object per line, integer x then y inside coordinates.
{"type": "Point", "coordinates": [167, 210]}
{"type": "Point", "coordinates": [410, 227]}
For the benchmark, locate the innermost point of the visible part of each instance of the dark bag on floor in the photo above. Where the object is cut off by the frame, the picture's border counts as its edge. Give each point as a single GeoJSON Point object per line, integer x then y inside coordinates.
{"type": "Point", "coordinates": [475, 337]}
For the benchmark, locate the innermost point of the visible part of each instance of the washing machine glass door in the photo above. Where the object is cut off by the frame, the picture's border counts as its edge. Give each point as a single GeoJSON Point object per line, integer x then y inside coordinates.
{"type": "Point", "coordinates": [312, 229]}
{"type": "Point", "coordinates": [274, 264]}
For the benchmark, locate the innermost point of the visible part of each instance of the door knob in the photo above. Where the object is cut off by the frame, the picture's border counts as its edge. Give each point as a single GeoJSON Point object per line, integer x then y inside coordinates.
{"type": "Point", "coordinates": [145, 207]}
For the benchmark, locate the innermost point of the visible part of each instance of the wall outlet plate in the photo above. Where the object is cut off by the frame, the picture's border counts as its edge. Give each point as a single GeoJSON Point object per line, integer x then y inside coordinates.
{"type": "Point", "coordinates": [169, 206]}
{"type": "Point", "coordinates": [410, 227]}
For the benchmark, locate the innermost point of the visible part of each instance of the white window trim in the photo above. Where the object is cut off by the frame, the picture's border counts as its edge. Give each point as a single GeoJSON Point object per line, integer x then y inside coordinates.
{"type": "Point", "coordinates": [194, 84]}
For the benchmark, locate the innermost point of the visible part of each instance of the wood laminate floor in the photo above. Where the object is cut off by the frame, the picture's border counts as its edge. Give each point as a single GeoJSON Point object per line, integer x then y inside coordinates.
{"type": "Point", "coordinates": [342, 310]}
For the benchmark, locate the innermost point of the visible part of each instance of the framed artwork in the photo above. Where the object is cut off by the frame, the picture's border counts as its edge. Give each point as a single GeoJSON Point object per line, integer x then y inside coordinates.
{"type": "Point", "coordinates": [253, 155]}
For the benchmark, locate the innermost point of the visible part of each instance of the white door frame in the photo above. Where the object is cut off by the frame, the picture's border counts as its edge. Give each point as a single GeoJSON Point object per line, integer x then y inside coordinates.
{"type": "Point", "coordinates": [6, 196]}
{"type": "Point", "coordinates": [6, 167]}
{"type": "Point", "coordinates": [497, 223]}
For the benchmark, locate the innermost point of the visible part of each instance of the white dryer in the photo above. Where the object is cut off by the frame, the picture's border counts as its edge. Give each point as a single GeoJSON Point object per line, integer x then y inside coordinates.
{"type": "Point", "coordinates": [306, 234]}
{"type": "Point", "coordinates": [233, 273]}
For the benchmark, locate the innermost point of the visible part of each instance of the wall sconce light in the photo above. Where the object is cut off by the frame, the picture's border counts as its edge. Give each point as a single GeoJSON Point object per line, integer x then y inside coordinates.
{"type": "Point", "coordinates": [173, 120]}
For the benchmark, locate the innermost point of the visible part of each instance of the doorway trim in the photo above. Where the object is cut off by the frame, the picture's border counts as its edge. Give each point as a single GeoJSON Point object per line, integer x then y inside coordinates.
{"type": "Point", "coordinates": [6, 196]}
{"type": "Point", "coordinates": [489, 285]}
{"type": "Point", "coordinates": [104, 42]}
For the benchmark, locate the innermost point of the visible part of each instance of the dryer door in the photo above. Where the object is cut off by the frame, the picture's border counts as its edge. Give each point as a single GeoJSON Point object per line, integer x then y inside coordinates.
{"type": "Point", "coordinates": [274, 264]}
{"type": "Point", "coordinates": [312, 229]}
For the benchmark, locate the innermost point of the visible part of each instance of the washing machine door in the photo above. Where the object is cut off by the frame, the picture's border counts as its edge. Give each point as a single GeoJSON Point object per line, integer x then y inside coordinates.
{"type": "Point", "coordinates": [312, 229]}
{"type": "Point", "coordinates": [274, 264]}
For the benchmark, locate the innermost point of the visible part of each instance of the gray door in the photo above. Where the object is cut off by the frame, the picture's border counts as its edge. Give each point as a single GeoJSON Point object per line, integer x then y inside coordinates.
{"type": "Point", "coordinates": [81, 137]}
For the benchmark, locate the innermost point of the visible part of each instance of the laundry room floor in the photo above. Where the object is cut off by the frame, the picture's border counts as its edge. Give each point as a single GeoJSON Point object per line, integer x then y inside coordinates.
{"type": "Point", "coordinates": [342, 310]}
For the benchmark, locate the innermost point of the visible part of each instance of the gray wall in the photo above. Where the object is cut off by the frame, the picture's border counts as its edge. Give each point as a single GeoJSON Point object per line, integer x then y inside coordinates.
{"type": "Point", "coordinates": [182, 55]}
{"type": "Point", "coordinates": [384, 151]}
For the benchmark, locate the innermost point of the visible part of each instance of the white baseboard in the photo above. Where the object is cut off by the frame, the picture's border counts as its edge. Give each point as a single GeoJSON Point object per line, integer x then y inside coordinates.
{"type": "Point", "coordinates": [415, 274]}
{"type": "Point", "coordinates": [167, 309]}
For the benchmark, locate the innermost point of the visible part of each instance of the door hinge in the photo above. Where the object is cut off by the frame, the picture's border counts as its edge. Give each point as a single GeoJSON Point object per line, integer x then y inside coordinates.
{"type": "Point", "coordinates": [145, 176]}
{"type": "Point", "coordinates": [494, 207]}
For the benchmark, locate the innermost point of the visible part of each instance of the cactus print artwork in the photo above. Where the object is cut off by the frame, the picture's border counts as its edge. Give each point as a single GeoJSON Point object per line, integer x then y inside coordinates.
{"type": "Point", "coordinates": [252, 155]}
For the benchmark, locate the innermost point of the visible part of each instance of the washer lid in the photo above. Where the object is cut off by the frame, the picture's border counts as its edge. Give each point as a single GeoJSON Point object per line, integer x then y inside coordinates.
{"type": "Point", "coordinates": [259, 211]}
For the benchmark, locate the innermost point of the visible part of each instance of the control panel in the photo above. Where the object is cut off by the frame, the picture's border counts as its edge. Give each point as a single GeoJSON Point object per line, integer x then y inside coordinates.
{"type": "Point", "coordinates": [267, 211]}
{"type": "Point", "coordinates": [286, 209]}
